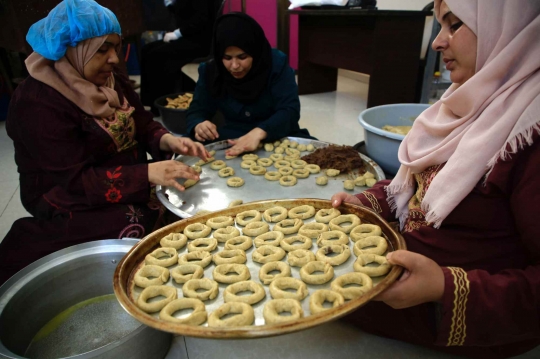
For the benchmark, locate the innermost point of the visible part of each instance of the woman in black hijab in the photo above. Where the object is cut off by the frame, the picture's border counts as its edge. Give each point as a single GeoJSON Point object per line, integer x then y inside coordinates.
{"type": "Point", "coordinates": [250, 83]}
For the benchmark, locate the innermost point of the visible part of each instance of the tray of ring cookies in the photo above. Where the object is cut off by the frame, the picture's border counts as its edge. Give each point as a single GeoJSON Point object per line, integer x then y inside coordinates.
{"type": "Point", "coordinates": [258, 269]}
{"type": "Point", "coordinates": [272, 171]}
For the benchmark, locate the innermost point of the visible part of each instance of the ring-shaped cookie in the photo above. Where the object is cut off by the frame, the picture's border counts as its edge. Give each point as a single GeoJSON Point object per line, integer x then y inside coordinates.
{"type": "Point", "coordinates": [335, 224]}
{"type": "Point", "coordinates": [160, 274]}
{"type": "Point", "coordinates": [313, 230]}
{"type": "Point", "coordinates": [241, 242]}
{"type": "Point", "coordinates": [272, 176]}
{"type": "Point", "coordinates": [266, 253]}
{"type": "Point", "coordinates": [317, 299]}
{"type": "Point", "coordinates": [211, 289]}
{"type": "Point", "coordinates": [229, 295]}
{"type": "Point", "coordinates": [276, 157]}
{"type": "Point", "coordinates": [361, 279]}
{"type": "Point", "coordinates": [282, 163]}
{"type": "Point", "coordinates": [332, 237]}
{"type": "Point", "coordinates": [292, 151]}
{"type": "Point", "coordinates": [197, 317]}
{"type": "Point", "coordinates": [163, 257]}
{"type": "Point", "coordinates": [343, 254]}
{"type": "Point", "coordinates": [197, 230]}
{"type": "Point", "coordinates": [185, 272]}
{"type": "Point", "coordinates": [282, 267]}
{"type": "Point", "coordinates": [332, 172]}
{"type": "Point", "coordinates": [306, 272]}
{"type": "Point", "coordinates": [287, 243]}
{"type": "Point", "coordinates": [274, 307]}
{"type": "Point", "coordinates": [155, 291]}
{"type": "Point", "coordinates": [297, 164]}
{"type": "Point", "coordinates": [226, 172]}
{"type": "Point", "coordinates": [244, 315]}
{"type": "Point", "coordinates": [250, 157]}
{"type": "Point", "coordinates": [230, 256]}
{"type": "Point", "coordinates": [279, 150]}
{"type": "Point", "coordinates": [217, 165]}
{"type": "Point", "coordinates": [202, 244]}
{"type": "Point", "coordinates": [291, 158]}
{"type": "Point", "coordinates": [301, 173]}
{"type": "Point", "coordinates": [360, 265]}
{"type": "Point", "coordinates": [275, 214]}
{"type": "Point", "coordinates": [313, 168]}
{"type": "Point", "coordinates": [365, 230]}
{"type": "Point", "coordinates": [300, 257]}
{"type": "Point", "coordinates": [220, 222]}
{"type": "Point", "coordinates": [235, 182]}
{"type": "Point", "coordinates": [257, 170]}
{"type": "Point", "coordinates": [174, 240]}
{"type": "Point", "coordinates": [302, 212]}
{"type": "Point", "coordinates": [253, 215]}
{"type": "Point", "coordinates": [272, 238]}
{"type": "Point", "coordinates": [265, 162]}
{"type": "Point", "coordinates": [224, 234]}
{"type": "Point", "coordinates": [279, 285]}
{"type": "Point", "coordinates": [254, 229]}
{"type": "Point", "coordinates": [285, 171]}
{"type": "Point", "coordinates": [288, 226]}
{"type": "Point", "coordinates": [361, 246]}
{"type": "Point", "coordinates": [247, 164]}
{"type": "Point", "coordinates": [200, 258]}
{"type": "Point", "coordinates": [327, 214]}
{"type": "Point", "coordinates": [220, 273]}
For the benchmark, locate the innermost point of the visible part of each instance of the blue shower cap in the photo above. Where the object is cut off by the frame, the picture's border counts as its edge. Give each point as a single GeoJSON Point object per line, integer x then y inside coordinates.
{"type": "Point", "coordinates": [69, 23]}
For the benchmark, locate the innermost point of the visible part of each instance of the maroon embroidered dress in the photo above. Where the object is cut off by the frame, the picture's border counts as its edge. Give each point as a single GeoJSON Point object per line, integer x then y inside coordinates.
{"type": "Point", "coordinates": [489, 249]}
{"type": "Point", "coordinates": [82, 178]}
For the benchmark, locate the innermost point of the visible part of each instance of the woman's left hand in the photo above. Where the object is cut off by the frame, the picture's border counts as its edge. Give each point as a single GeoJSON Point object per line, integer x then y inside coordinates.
{"type": "Point", "coordinates": [422, 281]}
{"type": "Point", "coordinates": [183, 146]}
{"type": "Point", "coordinates": [246, 143]}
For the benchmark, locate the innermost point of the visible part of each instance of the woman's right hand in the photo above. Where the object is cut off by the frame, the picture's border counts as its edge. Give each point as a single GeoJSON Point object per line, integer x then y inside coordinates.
{"type": "Point", "coordinates": [206, 131]}
{"type": "Point", "coordinates": [341, 197]}
{"type": "Point", "coordinates": [165, 173]}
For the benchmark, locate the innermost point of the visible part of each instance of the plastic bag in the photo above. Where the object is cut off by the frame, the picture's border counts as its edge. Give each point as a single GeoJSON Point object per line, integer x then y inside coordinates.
{"type": "Point", "coordinates": [299, 3]}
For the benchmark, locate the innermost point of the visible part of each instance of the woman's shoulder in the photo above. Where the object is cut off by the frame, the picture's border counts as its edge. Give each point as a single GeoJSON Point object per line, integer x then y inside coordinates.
{"type": "Point", "coordinates": [279, 61]}
{"type": "Point", "coordinates": [34, 94]}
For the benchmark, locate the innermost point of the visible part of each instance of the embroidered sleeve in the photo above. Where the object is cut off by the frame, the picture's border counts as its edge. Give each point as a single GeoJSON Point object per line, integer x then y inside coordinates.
{"type": "Point", "coordinates": [375, 198]}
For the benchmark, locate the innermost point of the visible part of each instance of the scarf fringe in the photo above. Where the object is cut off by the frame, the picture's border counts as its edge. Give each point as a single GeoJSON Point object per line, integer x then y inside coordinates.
{"type": "Point", "coordinates": [391, 192]}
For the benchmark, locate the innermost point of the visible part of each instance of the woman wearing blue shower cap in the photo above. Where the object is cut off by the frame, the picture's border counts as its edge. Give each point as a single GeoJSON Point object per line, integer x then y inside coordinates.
{"type": "Point", "coordinates": [81, 138]}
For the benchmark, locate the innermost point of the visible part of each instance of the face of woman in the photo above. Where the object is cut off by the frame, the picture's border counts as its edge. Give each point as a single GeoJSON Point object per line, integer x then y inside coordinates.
{"type": "Point", "coordinates": [237, 62]}
{"type": "Point", "coordinates": [457, 44]}
{"type": "Point", "coordinates": [100, 66]}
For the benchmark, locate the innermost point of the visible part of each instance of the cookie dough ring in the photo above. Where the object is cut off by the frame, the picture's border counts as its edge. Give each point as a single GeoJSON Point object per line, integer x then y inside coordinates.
{"type": "Point", "coordinates": [317, 299]}
{"type": "Point", "coordinates": [364, 231]}
{"type": "Point", "coordinates": [321, 181]}
{"type": "Point", "coordinates": [313, 168]}
{"type": "Point", "coordinates": [241, 242]}
{"type": "Point", "coordinates": [160, 274]}
{"type": "Point", "coordinates": [235, 182]}
{"type": "Point", "coordinates": [291, 158]}
{"type": "Point", "coordinates": [197, 317]}
{"type": "Point", "coordinates": [241, 217]}
{"type": "Point", "coordinates": [185, 272]}
{"type": "Point", "coordinates": [229, 295]}
{"type": "Point", "coordinates": [360, 265]}
{"type": "Point", "coordinates": [282, 267]}
{"type": "Point", "coordinates": [254, 229]}
{"type": "Point", "coordinates": [155, 258]}
{"type": "Point", "coordinates": [224, 234]}
{"type": "Point", "coordinates": [300, 257]}
{"type": "Point", "coordinates": [272, 176]}
{"type": "Point", "coordinates": [313, 230]}
{"type": "Point", "coordinates": [285, 171]}
{"type": "Point", "coordinates": [287, 181]}
{"type": "Point", "coordinates": [244, 311]}
{"type": "Point", "coordinates": [279, 285]}
{"type": "Point", "coordinates": [250, 157]}
{"type": "Point", "coordinates": [335, 224]}
{"type": "Point", "coordinates": [276, 157]}
{"type": "Point", "coordinates": [288, 226]}
{"type": "Point", "coordinates": [326, 215]}
{"type": "Point", "coordinates": [301, 173]}
{"type": "Point", "coordinates": [292, 151]}
{"type": "Point", "coordinates": [265, 162]}
{"type": "Point", "coordinates": [266, 254]}
{"type": "Point", "coordinates": [297, 164]}
{"type": "Point", "coordinates": [275, 214]}
{"type": "Point", "coordinates": [282, 163]}
{"type": "Point", "coordinates": [257, 170]}
{"type": "Point", "coordinates": [332, 237]}
{"type": "Point", "coordinates": [247, 164]}
{"type": "Point", "coordinates": [332, 172]}
{"type": "Point", "coordinates": [174, 240]}
{"type": "Point", "coordinates": [220, 222]}
{"type": "Point", "coordinates": [235, 202]}
{"type": "Point", "coordinates": [343, 254]}
{"type": "Point", "coordinates": [306, 272]}
{"type": "Point", "coordinates": [202, 244]}
{"type": "Point", "coordinates": [361, 279]}
{"type": "Point", "coordinates": [211, 289]}
{"type": "Point", "coordinates": [197, 230]}
{"type": "Point", "coordinates": [226, 172]}
{"type": "Point", "coordinates": [227, 157]}
{"type": "Point", "coordinates": [302, 212]}
{"type": "Point", "coordinates": [217, 165]}
{"type": "Point", "coordinates": [200, 258]}
{"type": "Point", "coordinates": [275, 306]}
{"type": "Point", "coordinates": [360, 247]}
{"type": "Point", "coordinates": [279, 150]}
{"type": "Point", "coordinates": [155, 291]}
{"type": "Point", "coordinates": [220, 273]}
{"type": "Point", "coordinates": [287, 243]}
{"type": "Point", "coordinates": [272, 238]}
{"type": "Point", "coordinates": [230, 256]}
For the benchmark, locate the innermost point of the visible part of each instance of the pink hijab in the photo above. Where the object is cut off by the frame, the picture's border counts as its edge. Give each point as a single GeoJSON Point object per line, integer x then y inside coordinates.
{"type": "Point", "coordinates": [67, 77]}
{"type": "Point", "coordinates": [491, 116]}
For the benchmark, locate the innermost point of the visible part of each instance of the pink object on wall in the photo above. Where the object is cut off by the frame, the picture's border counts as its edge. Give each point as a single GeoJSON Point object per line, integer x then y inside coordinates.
{"type": "Point", "coordinates": [293, 41]}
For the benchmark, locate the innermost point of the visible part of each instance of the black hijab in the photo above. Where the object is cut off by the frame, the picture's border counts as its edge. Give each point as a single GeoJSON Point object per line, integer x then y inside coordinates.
{"type": "Point", "coordinates": [242, 31]}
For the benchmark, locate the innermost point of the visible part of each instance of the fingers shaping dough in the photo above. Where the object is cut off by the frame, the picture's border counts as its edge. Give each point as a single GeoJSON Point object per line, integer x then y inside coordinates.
{"type": "Point", "coordinates": [317, 299]}
{"type": "Point", "coordinates": [302, 212]}
{"type": "Point", "coordinates": [274, 307]}
{"type": "Point", "coordinates": [360, 265]}
{"type": "Point", "coordinates": [306, 272]}
{"type": "Point", "coordinates": [163, 257]}
{"type": "Point", "coordinates": [300, 257]}
{"type": "Point", "coordinates": [272, 238]}
{"type": "Point", "coordinates": [211, 289]}
{"type": "Point", "coordinates": [361, 246]}
{"type": "Point", "coordinates": [160, 274]}
{"type": "Point", "coordinates": [190, 183]}
{"type": "Point", "coordinates": [221, 271]}
{"type": "Point", "coordinates": [224, 234]}
{"type": "Point", "coordinates": [313, 230]}
{"type": "Point", "coordinates": [288, 226]}
{"type": "Point", "coordinates": [364, 231]}
{"type": "Point", "coordinates": [278, 288]}
{"type": "Point", "coordinates": [230, 256]}
{"type": "Point", "coordinates": [361, 279]}
{"type": "Point", "coordinates": [244, 315]}
{"type": "Point", "coordinates": [343, 254]}
{"type": "Point", "coordinates": [155, 291]}
{"type": "Point", "coordinates": [326, 215]}
{"type": "Point", "coordinates": [282, 267]}
{"type": "Point", "coordinates": [265, 254]}
{"type": "Point", "coordinates": [197, 317]}
{"type": "Point", "coordinates": [275, 214]}
{"type": "Point", "coordinates": [185, 272]}
{"type": "Point", "coordinates": [197, 230]}
{"type": "Point", "coordinates": [335, 224]}
{"type": "Point", "coordinates": [229, 295]}
{"type": "Point", "coordinates": [253, 215]}
{"type": "Point", "coordinates": [174, 240]}
{"type": "Point", "coordinates": [200, 258]}
{"type": "Point", "coordinates": [235, 182]}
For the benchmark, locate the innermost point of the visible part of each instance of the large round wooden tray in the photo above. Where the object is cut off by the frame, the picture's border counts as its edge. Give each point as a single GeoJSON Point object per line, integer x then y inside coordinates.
{"type": "Point", "coordinates": [123, 277]}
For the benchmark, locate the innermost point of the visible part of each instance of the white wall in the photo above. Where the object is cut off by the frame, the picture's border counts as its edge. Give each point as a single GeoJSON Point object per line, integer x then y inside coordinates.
{"type": "Point", "coordinates": [402, 4]}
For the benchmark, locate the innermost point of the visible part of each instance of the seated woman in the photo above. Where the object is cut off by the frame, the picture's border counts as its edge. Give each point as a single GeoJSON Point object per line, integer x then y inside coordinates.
{"type": "Point", "coordinates": [467, 193]}
{"type": "Point", "coordinates": [81, 139]}
{"type": "Point", "coordinates": [250, 83]}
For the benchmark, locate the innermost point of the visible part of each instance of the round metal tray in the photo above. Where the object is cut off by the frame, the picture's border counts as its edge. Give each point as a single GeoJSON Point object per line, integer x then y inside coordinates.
{"type": "Point", "coordinates": [212, 192]}
{"type": "Point", "coordinates": [127, 292]}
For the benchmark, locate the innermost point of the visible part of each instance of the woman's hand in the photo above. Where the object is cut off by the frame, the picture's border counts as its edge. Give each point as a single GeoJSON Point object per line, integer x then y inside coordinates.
{"type": "Point", "coordinates": [165, 173]}
{"type": "Point", "coordinates": [246, 143]}
{"type": "Point", "coordinates": [206, 131]}
{"type": "Point", "coordinates": [342, 197]}
{"type": "Point", "coordinates": [421, 282]}
{"type": "Point", "coordinates": [183, 146]}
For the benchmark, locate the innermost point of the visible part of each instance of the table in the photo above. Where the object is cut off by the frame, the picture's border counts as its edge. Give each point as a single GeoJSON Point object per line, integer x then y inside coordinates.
{"type": "Point", "coordinates": [382, 43]}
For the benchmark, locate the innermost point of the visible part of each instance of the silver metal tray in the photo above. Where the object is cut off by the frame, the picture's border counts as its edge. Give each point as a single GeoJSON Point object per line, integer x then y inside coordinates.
{"type": "Point", "coordinates": [212, 192]}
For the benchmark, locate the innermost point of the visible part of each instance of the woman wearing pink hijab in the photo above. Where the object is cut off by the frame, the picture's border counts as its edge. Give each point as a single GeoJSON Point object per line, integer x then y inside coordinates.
{"type": "Point", "coordinates": [467, 194]}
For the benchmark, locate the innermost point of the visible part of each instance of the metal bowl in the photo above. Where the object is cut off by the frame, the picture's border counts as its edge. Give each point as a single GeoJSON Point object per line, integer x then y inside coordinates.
{"type": "Point", "coordinates": [63, 306]}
